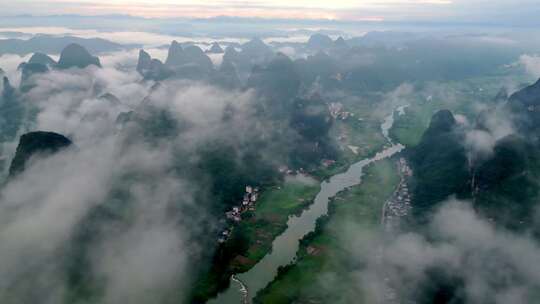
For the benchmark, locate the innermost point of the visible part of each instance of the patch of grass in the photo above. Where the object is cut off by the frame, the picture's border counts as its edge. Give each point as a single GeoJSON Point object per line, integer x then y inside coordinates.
{"type": "Point", "coordinates": [325, 259]}
{"type": "Point", "coordinates": [359, 132]}
{"type": "Point", "coordinates": [270, 218]}
{"type": "Point", "coordinates": [408, 128]}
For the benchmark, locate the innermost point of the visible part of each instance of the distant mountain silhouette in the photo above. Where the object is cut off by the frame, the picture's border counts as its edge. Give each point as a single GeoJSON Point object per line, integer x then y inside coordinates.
{"type": "Point", "coordinates": [41, 58]}
{"type": "Point", "coordinates": [152, 69]}
{"type": "Point", "coordinates": [77, 56]}
{"type": "Point", "coordinates": [231, 55]}
{"type": "Point", "coordinates": [319, 66]}
{"type": "Point", "coordinates": [320, 41]}
{"type": "Point", "coordinates": [27, 71]}
{"type": "Point", "coordinates": [195, 55]}
{"type": "Point", "coordinates": [227, 75]}
{"type": "Point", "coordinates": [47, 44]}
{"type": "Point", "coordinates": [187, 63]}
{"type": "Point", "coordinates": [256, 48]}
{"type": "Point", "coordinates": [179, 56]}
{"type": "Point", "coordinates": [277, 82]}
{"type": "Point", "coordinates": [175, 56]}
{"type": "Point", "coordinates": [144, 63]}
{"type": "Point", "coordinates": [340, 43]}
{"type": "Point", "coordinates": [215, 49]}
{"type": "Point", "coordinates": [39, 63]}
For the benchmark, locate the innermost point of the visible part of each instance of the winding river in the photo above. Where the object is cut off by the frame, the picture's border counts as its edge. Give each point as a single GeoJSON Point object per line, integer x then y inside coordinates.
{"type": "Point", "coordinates": [245, 286]}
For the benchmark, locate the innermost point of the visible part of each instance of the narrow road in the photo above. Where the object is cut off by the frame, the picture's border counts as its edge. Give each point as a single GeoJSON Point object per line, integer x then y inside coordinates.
{"type": "Point", "coordinates": [243, 289]}
{"type": "Point", "coordinates": [396, 207]}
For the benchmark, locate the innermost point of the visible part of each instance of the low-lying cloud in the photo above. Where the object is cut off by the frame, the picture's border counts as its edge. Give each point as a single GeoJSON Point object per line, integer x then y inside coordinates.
{"type": "Point", "coordinates": [144, 253]}
{"type": "Point", "coordinates": [475, 261]}
{"type": "Point", "coordinates": [9, 63]}
{"type": "Point", "coordinates": [495, 126]}
{"type": "Point", "coordinates": [531, 63]}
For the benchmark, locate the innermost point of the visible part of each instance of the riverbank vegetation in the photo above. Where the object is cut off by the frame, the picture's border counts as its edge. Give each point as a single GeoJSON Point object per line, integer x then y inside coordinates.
{"type": "Point", "coordinates": [357, 137]}
{"type": "Point", "coordinates": [252, 238]}
{"type": "Point", "coordinates": [324, 259]}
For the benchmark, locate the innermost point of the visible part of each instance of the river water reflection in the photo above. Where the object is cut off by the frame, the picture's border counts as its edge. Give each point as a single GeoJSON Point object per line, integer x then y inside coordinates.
{"type": "Point", "coordinates": [286, 245]}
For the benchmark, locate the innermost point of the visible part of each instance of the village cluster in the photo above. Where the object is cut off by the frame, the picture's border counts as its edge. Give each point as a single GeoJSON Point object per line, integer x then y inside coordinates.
{"type": "Point", "coordinates": [285, 170]}
{"type": "Point", "coordinates": [399, 205]}
{"type": "Point", "coordinates": [337, 112]}
{"type": "Point", "coordinates": [235, 215]}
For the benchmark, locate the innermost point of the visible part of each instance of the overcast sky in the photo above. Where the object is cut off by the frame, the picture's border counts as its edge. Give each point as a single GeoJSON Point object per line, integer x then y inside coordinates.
{"type": "Point", "coordinates": [469, 11]}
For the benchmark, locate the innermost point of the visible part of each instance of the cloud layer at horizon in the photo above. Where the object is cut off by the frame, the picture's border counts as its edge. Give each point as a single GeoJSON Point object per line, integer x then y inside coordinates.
{"type": "Point", "coordinates": [466, 11]}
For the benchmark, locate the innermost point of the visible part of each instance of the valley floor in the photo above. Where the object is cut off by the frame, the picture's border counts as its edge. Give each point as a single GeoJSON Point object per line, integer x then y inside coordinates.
{"type": "Point", "coordinates": [260, 227]}
{"type": "Point", "coordinates": [322, 258]}
{"type": "Point", "coordinates": [324, 263]}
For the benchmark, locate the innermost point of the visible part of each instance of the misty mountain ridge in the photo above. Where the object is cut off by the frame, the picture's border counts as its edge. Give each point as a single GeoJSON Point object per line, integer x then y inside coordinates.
{"type": "Point", "coordinates": [183, 172]}
{"type": "Point", "coordinates": [77, 56]}
{"type": "Point", "coordinates": [40, 58]}
{"type": "Point", "coordinates": [216, 49]}
{"type": "Point", "coordinates": [503, 186]}
{"type": "Point", "coordinates": [72, 56]}
{"type": "Point", "coordinates": [11, 109]}
{"type": "Point", "coordinates": [439, 163]}
{"type": "Point", "coordinates": [320, 41]}
{"type": "Point", "coordinates": [48, 44]}
{"type": "Point", "coordinates": [524, 105]}
{"type": "Point", "coordinates": [191, 62]}
{"type": "Point", "coordinates": [7, 89]}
